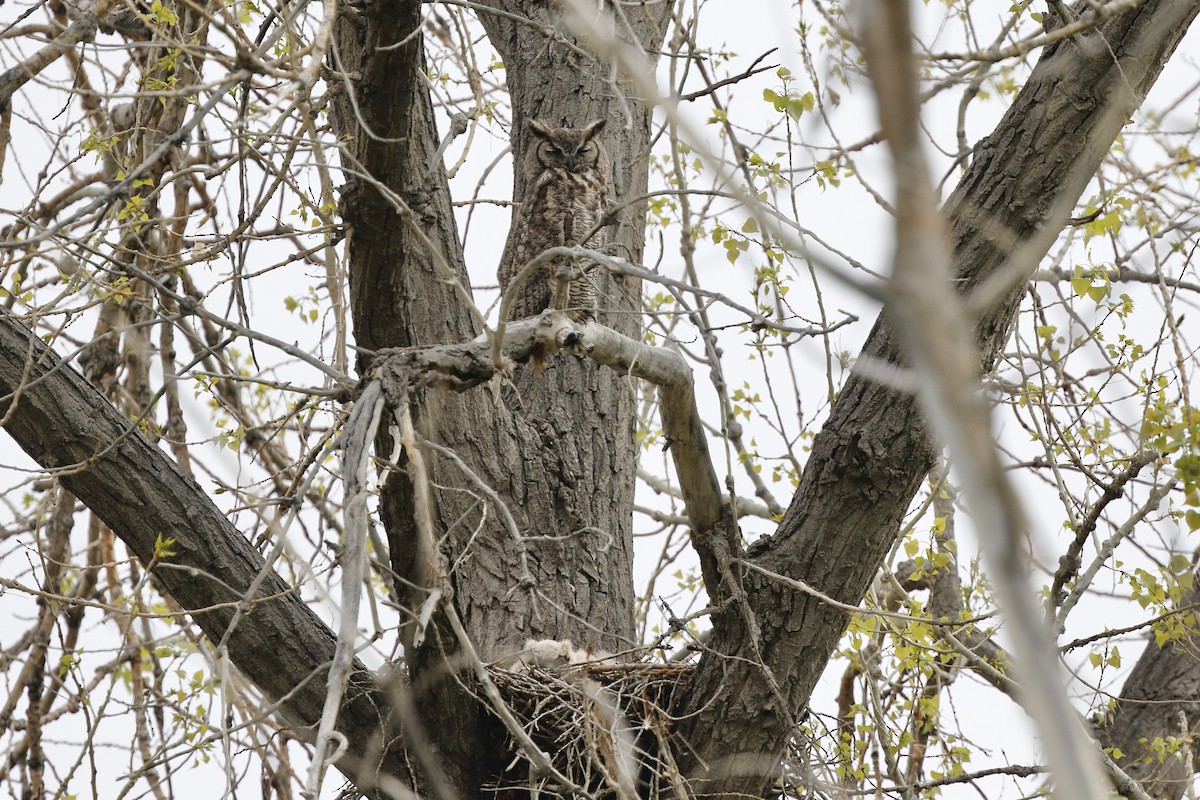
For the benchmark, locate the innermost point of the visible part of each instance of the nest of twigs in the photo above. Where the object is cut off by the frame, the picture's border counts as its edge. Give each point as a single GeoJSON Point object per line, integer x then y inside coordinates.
{"type": "Point", "coordinates": [604, 730]}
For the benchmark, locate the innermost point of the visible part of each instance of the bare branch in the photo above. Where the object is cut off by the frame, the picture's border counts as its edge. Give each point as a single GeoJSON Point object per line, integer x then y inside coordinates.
{"type": "Point", "coordinates": [57, 417]}
{"type": "Point", "coordinates": [930, 317]}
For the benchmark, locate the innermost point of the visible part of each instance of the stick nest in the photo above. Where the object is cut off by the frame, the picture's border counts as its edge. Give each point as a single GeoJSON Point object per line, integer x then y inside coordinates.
{"type": "Point", "coordinates": [605, 727]}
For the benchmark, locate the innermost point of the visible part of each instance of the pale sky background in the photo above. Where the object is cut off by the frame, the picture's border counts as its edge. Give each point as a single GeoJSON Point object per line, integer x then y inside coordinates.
{"type": "Point", "coordinates": [996, 729]}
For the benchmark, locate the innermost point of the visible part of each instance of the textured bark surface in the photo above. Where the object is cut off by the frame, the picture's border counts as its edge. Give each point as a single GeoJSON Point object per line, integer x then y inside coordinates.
{"type": "Point", "coordinates": [560, 450]}
{"type": "Point", "coordinates": [63, 422]}
{"type": "Point", "coordinates": [1161, 700]}
{"type": "Point", "coordinates": [869, 459]}
{"type": "Point", "coordinates": [403, 247]}
{"type": "Point", "coordinates": [572, 462]}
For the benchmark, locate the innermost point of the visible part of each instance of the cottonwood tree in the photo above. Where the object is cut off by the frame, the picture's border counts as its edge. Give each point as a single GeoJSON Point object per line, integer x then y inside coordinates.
{"type": "Point", "coordinates": [214, 201]}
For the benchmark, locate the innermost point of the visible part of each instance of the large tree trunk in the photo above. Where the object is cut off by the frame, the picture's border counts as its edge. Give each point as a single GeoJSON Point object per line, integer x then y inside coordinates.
{"type": "Point", "coordinates": [572, 460]}
{"type": "Point", "coordinates": [862, 473]}
{"type": "Point", "coordinates": [868, 461]}
{"type": "Point", "coordinates": [403, 254]}
{"type": "Point", "coordinates": [559, 451]}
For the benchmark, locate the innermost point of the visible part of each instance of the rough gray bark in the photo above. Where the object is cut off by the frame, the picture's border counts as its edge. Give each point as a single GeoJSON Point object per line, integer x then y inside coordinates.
{"type": "Point", "coordinates": [868, 461]}
{"type": "Point", "coordinates": [1160, 700]}
{"type": "Point", "coordinates": [562, 448]}
{"type": "Point", "coordinates": [64, 423]}
{"type": "Point", "coordinates": [403, 254]}
{"type": "Point", "coordinates": [570, 462]}
{"type": "Point", "coordinates": [559, 451]}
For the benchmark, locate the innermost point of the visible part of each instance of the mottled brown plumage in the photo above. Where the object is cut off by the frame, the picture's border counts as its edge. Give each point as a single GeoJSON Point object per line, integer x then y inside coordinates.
{"type": "Point", "coordinates": [566, 191]}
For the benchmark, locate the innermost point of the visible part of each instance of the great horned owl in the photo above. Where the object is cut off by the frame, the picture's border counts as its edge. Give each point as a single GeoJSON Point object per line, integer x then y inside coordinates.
{"type": "Point", "coordinates": [566, 191]}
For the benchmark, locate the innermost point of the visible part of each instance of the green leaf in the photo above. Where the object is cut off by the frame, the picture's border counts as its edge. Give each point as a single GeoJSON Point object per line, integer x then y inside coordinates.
{"type": "Point", "coordinates": [162, 546]}
{"type": "Point", "coordinates": [1105, 223]}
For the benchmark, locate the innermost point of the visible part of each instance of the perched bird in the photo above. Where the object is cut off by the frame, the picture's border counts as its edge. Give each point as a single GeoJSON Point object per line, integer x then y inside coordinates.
{"type": "Point", "coordinates": [566, 192]}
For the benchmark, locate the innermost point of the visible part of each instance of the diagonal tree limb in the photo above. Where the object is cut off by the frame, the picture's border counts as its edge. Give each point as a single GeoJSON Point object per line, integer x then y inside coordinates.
{"type": "Point", "coordinates": [63, 422]}
{"type": "Point", "coordinates": [1071, 562]}
{"type": "Point", "coordinates": [868, 461]}
{"type": "Point", "coordinates": [930, 315]}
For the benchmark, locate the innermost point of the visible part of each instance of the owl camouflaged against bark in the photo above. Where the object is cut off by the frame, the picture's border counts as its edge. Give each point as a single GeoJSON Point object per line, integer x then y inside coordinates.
{"type": "Point", "coordinates": [566, 192]}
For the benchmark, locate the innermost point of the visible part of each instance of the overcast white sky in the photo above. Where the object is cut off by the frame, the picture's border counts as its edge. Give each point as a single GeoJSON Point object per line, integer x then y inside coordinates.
{"type": "Point", "coordinates": [847, 218]}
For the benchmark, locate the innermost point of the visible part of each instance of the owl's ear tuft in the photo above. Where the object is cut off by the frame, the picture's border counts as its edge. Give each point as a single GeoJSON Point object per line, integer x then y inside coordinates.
{"type": "Point", "coordinates": [595, 128]}
{"type": "Point", "coordinates": [539, 129]}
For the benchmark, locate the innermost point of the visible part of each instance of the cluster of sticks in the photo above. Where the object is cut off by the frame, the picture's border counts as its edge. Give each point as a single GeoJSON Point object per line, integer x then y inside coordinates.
{"type": "Point", "coordinates": [605, 727]}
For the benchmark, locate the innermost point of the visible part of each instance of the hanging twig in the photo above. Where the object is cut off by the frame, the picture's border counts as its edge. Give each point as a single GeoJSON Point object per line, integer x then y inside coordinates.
{"type": "Point", "coordinates": [356, 438]}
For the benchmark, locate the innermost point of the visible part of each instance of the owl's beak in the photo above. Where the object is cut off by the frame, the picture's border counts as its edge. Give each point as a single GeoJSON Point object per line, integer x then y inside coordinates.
{"type": "Point", "coordinates": [570, 159]}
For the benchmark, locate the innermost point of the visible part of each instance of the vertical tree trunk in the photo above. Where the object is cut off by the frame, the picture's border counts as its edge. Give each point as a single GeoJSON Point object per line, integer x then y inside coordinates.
{"type": "Point", "coordinates": [403, 252]}
{"type": "Point", "coordinates": [572, 459]}
{"type": "Point", "coordinates": [559, 448]}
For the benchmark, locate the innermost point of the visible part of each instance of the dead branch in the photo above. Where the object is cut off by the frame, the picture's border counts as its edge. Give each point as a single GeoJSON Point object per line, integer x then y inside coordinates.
{"type": "Point", "coordinates": [462, 366]}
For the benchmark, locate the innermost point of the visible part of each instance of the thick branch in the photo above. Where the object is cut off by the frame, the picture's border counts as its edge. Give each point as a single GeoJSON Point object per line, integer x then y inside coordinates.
{"type": "Point", "coordinates": [930, 316]}
{"type": "Point", "coordinates": [407, 283]}
{"type": "Point", "coordinates": [65, 425]}
{"type": "Point", "coordinates": [868, 461]}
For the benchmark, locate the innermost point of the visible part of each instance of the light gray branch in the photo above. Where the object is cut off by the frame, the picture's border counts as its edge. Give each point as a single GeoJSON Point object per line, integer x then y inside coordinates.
{"type": "Point", "coordinates": [930, 316]}
{"type": "Point", "coordinates": [462, 366]}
